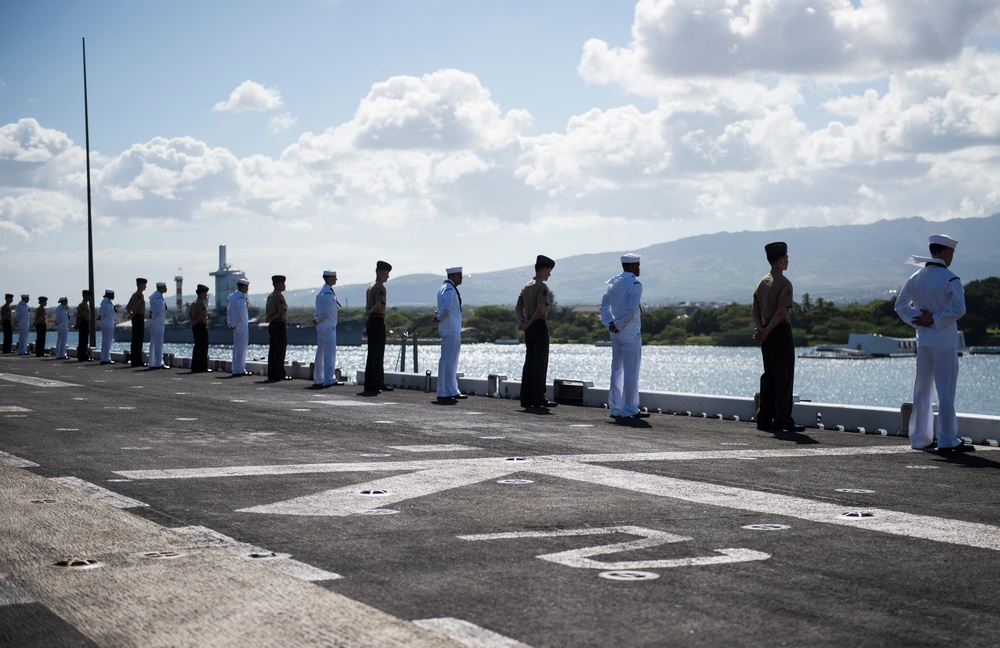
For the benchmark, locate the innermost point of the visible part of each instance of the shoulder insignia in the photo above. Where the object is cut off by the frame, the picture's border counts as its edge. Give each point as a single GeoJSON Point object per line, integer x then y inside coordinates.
{"type": "Point", "coordinates": [954, 279]}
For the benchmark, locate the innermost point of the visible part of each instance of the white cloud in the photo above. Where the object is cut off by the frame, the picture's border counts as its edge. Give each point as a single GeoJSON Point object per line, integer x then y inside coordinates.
{"type": "Point", "coordinates": [818, 38]}
{"type": "Point", "coordinates": [281, 123]}
{"type": "Point", "coordinates": [250, 96]}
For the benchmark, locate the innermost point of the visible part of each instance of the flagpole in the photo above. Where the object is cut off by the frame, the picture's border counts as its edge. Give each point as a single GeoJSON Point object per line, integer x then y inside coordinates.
{"type": "Point", "coordinates": [90, 222]}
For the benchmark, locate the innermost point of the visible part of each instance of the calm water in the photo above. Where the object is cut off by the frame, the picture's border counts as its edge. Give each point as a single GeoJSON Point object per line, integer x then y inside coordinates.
{"type": "Point", "coordinates": [727, 371]}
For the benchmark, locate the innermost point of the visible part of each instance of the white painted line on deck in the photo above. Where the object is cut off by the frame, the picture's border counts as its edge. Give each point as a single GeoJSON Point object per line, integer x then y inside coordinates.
{"type": "Point", "coordinates": [13, 408]}
{"type": "Point", "coordinates": [349, 500]}
{"type": "Point", "coordinates": [468, 634]}
{"type": "Point", "coordinates": [970, 534]}
{"type": "Point", "coordinates": [98, 493]}
{"type": "Point", "coordinates": [281, 562]}
{"type": "Point", "coordinates": [35, 382]}
{"type": "Point", "coordinates": [440, 447]}
{"type": "Point", "coordinates": [10, 461]}
{"type": "Point", "coordinates": [347, 403]}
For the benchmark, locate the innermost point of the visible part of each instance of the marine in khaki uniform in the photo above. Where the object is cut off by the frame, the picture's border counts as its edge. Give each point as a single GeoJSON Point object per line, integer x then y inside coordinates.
{"type": "Point", "coordinates": [198, 314]}
{"type": "Point", "coordinates": [375, 302]}
{"type": "Point", "coordinates": [8, 327]}
{"type": "Point", "coordinates": [531, 309]}
{"type": "Point", "coordinates": [772, 319]}
{"type": "Point", "coordinates": [41, 324]}
{"type": "Point", "coordinates": [83, 328]}
{"type": "Point", "coordinates": [276, 311]}
{"type": "Point", "coordinates": [136, 311]}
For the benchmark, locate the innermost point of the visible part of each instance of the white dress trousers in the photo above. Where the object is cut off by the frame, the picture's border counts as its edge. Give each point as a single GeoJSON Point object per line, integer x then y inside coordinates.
{"type": "Point", "coordinates": [449, 312]}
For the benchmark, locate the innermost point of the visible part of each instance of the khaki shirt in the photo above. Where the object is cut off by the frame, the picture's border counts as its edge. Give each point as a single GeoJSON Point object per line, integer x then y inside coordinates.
{"type": "Point", "coordinates": [276, 307]}
{"type": "Point", "coordinates": [198, 311]}
{"type": "Point", "coordinates": [773, 292]}
{"type": "Point", "coordinates": [39, 315]}
{"type": "Point", "coordinates": [533, 294]}
{"type": "Point", "coordinates": [83, 312]}
{"type": "Point", "coordinates": [5, 313]}
{"type": "Point", "coordinates": [375, 295]}
{"type": "Point", "coordinates": [136, 304]}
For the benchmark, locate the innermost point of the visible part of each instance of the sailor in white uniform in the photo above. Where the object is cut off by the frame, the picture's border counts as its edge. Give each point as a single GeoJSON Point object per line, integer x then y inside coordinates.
{"type": "Point", "coordinates": [106, 322]}
{"type": "Point", "coordinates": [238, 318]}
{"type": "Point", "coordinates": [157, 322]}
{"type": "Point", "coordinates": [449, 319]}
{"type": "Point", "coordinates": [325, 365]}
{"type": "Point", "coordinates": [62, 328]}
{"type": "Point", "coordinates": [22, 321]}
{"type": "Point", "coordinates": [932, 301]}
{"type": "Point", "coordinates": [620, 312]}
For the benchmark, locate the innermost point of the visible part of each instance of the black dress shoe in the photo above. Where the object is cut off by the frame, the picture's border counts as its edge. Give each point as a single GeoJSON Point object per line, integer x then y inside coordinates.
{"type": "Point", "coordinates": [930, 446]}
{"type": "Point", "coordinates": [459, 396]}
{"type": "Point", "coordinates": [640, 415]}
{"type": "Point", "coordinates": [546, 403]}
{"type": "Point", "coordinates": [793, 428]}
{"type": "Point", "coordinates": [386, 388]}
{"type": "Point", "coordinates": [961, 447]}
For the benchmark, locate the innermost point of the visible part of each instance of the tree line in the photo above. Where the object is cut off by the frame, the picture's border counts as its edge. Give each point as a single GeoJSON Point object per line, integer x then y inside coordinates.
{"type": "Point", "coordinates": [814, 321]}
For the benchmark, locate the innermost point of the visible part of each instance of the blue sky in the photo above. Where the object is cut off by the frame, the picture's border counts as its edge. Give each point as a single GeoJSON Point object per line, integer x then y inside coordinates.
{"type": "Point", "coordinates": [329, 134]}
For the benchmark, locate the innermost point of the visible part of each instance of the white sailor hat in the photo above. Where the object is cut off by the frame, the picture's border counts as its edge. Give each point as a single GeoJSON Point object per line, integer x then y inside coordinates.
{"type": "Point", "coordinates": [942, 239]}
{"type": "Point", "coordinates": [630, 257]}
{"type": "Point", "coordinates": [329, 273]}
{"type": "Point", "coordinates": [25, 296]}
{"type": "Point", "coordinates": [108, 292]}
{"type": "Point", "coordinates": [161, 284]}
{"type": "Point", "coordinates": [243, 281]}
{"type": "Point", "coordinates": [453, 270]}
{"type": "Point", "coordinates": [64, 299]}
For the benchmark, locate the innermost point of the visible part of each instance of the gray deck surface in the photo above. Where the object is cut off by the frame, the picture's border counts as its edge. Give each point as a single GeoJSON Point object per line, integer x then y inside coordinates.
{"type": "Point", "coordinates": [228, 511]}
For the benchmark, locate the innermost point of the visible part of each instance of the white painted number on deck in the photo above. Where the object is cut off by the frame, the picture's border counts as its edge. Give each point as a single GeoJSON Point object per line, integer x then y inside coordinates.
{"type": "Point", "coordinates": [583, 558]}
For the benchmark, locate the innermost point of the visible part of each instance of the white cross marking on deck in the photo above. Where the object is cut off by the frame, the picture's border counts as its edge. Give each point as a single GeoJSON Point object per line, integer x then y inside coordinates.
{"type": "Point", "coordinates": [428, 477]}
{"type": "Point", "coordinates": [35, 382]}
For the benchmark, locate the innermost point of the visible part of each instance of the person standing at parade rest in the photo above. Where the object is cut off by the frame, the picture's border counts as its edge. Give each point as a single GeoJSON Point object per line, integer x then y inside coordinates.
{"type": "Point", "coordinates": [41, 324]}
{"type": "Point", "coordinates": [620, 312]}
{"type": "Point", "coordinates": [932, 301]}
{"type": "Point", "coordinates": [22, 320]}
{"type": "Point", "coordinates": [375, 304]}
{"type": "Point", "coordinates": [106, 321]}
{"type": "Point", "coordinates": [136, 311]}
{"type": "Point", "coordinates": [198, 314]}
{"type": "Point", "coordinates": [772, 320]}
{"type": "Point", "coordinates": [238, 318]}
{"type": "Point", "coordinates": [532, 308]}
{"type": "Point", "coordinates": [83, 328]}
{"type": "Point", "coordinates": [62, 328]}
{"type": "Point", "coordinates": [157, 323]}
{"type": "Point", "coordinates": [449, 318]}
{"type": "Point", "coordinates": [5, 319]}
{"type": "Point", "coordinates": [325, 365]}
{"type": "Point", "coordinates": [276, 310]}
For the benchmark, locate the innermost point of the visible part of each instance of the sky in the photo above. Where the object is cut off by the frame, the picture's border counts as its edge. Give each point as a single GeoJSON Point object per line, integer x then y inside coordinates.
{"type": "Point", "coordinates": [328, 134]}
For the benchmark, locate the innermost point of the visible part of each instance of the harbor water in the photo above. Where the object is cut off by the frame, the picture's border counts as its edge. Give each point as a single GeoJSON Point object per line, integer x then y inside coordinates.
{"type": "Point", "coordinates": [725, 371]}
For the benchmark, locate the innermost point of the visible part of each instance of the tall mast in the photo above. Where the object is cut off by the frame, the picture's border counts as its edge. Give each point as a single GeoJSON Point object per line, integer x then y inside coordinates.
{"type": "Point", "coordinates": [90, 223]}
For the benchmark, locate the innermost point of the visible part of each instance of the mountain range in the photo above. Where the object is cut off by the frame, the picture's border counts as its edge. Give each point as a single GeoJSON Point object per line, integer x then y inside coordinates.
{"type": "Point", "coordinates": [842, 263]}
